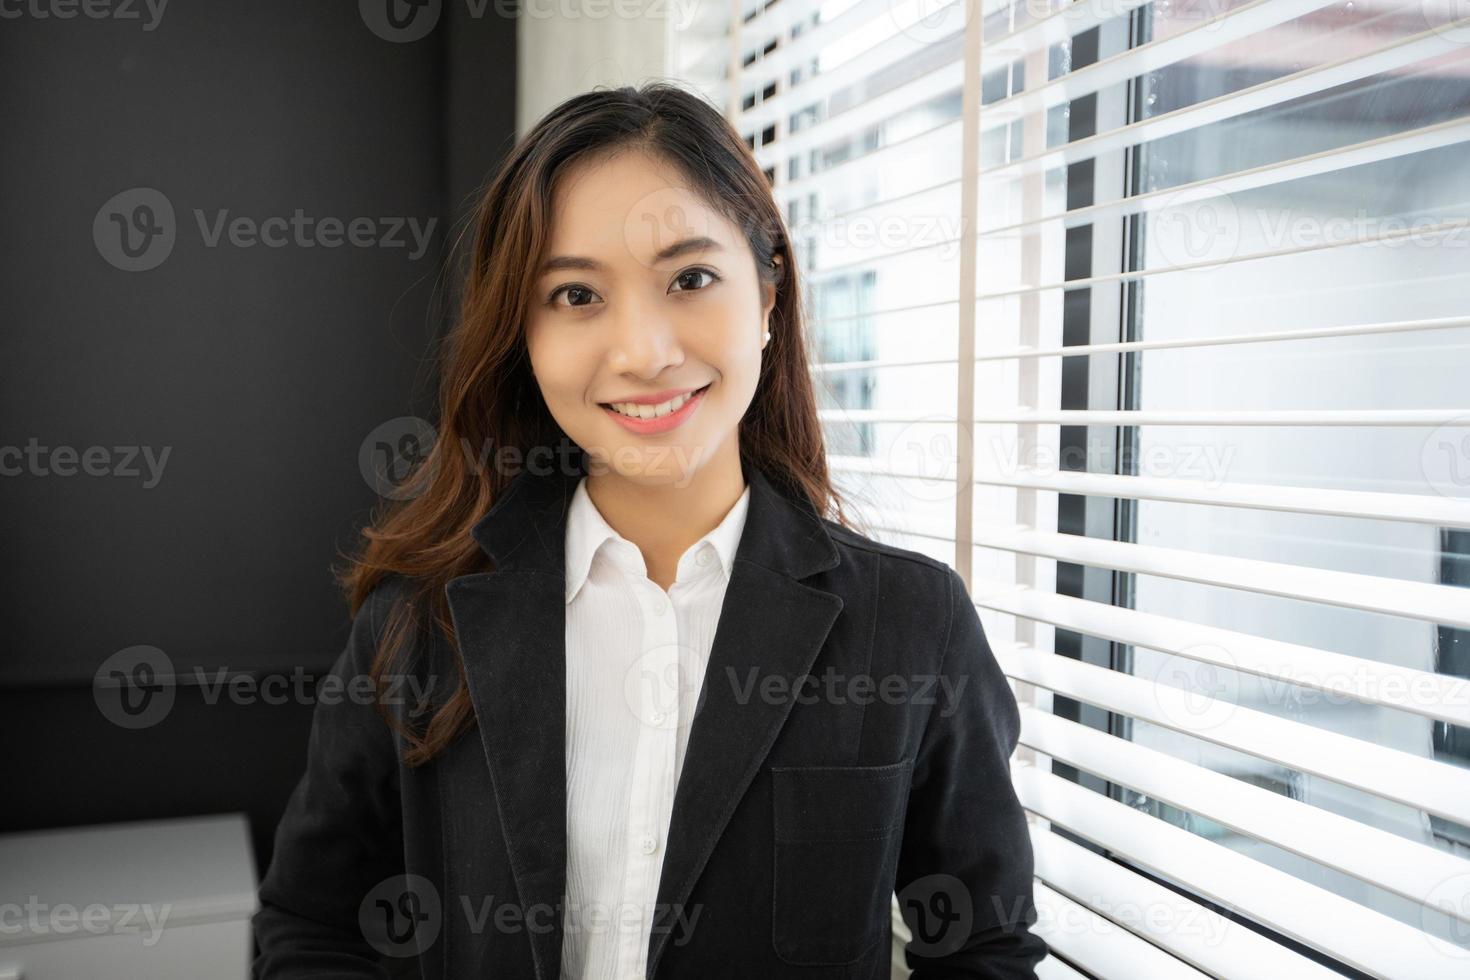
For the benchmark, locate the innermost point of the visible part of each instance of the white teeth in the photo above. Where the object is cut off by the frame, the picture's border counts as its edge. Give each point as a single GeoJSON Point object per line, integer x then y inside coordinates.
{"type": "Point", "coordinates": [636, 411]}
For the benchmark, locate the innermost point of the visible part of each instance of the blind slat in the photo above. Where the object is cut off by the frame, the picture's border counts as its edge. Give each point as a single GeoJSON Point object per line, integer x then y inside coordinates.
{"type": "Point", "coordinates": [1409, 779]}
{"type": "Point", "coordinates": [1422, 417]}
{"type": "Point", "coordinates": [1376, 150]}
{"type": "Point", "coordinates": [931, 84]}
{"type": "Point", "coordinates": [1369, 505]}
{"type": "Point", "coordinates": [1053, 968]}
{"type": "Point", "coordinates": [1236, 24]}
{"type": "Point", "coordinates": [1110, 952]}
{"type": "Point", "coordinates": [1431, 602]}
{"type": "Point", "coordinates": [1448, 229]}
{"type": "Point", "coordinates": [1390, 58]}
{"type": "Point", "coordinates": [1417, 508]}
{"type": "Point", "coordinates": [790, 100]}
{"type": "Point", "coordinates": [1257, 337]}
{"type": "Point", "coordinates": [1365, 940]}
{"type": "Point", "coordinates": [1367, 853]}
{"type": "Point", "coordinates": [1430, 695]}
{"type": "Point", "coordinates": [1191, 931]}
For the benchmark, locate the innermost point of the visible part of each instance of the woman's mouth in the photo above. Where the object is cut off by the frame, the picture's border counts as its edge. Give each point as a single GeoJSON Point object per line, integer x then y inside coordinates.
{"type": "Point", "coordinates": [654, 419]}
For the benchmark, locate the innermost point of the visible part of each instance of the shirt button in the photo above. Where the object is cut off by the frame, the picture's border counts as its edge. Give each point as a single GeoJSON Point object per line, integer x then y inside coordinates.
{"type": "Point", "coordinates": [661, 604]}
{"type": "Point", "coordinates": [659, 717]}
{"type": "Point", "coordinates": [648, 843]}
{"type": "Point", "coordinates": [703, 558]}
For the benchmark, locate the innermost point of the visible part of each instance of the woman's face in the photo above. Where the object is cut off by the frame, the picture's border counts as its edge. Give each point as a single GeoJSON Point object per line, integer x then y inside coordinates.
{"type": "Point", "coordinates": [646, 295]}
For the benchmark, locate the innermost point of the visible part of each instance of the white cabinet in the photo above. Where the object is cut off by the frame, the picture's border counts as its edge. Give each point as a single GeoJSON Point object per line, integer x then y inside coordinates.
{"type": "Point", "coordinates": [158, 900]}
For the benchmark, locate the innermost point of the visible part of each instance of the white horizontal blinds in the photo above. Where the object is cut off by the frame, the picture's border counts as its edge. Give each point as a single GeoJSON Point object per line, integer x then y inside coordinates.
{"type": "Point", "coordinates": [1353, 935]}
{"type": "Point", "coordinates": [1240, 230]}
{"type": "Point", "coordinates": [1373, 855]}
{"type": "Point", "coordinates": [1361, 680]}
{"type": "Point", "coordinates": [1200, 268]}
{"type": "Point", "coordinates": [853, 109]}
{"type": "Point", "coordinates": [1110, 900]}
{"type": "Point", "coordinates": [1118, 953]}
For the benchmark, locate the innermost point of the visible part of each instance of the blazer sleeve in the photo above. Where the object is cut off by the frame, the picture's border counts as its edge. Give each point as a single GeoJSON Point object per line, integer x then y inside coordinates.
{"type": "Point", "coordinates": [965, 870]}
{"type": "Point", "coordinates": [341, 833]}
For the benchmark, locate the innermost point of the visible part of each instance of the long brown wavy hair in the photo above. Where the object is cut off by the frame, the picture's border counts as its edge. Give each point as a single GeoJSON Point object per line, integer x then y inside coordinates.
{"type": "Point", "coordinates": [488, 396]}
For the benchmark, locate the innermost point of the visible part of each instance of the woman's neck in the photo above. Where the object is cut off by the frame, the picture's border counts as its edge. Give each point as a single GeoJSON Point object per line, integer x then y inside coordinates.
{"type": "Point", "coordinates": [664, 519]}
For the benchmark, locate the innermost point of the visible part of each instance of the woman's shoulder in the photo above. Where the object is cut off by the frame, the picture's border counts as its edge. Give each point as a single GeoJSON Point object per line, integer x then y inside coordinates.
{"type": "Point", "coordinates": [398, 609]}
{"type": "Point", "coordinates": [387, 594]}
{"type": "Point", "coordinates": [900, 561]}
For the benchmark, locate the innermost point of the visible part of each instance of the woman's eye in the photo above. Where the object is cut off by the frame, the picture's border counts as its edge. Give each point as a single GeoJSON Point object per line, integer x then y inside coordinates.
{"type": "Point", "coordinates": [691, 279]}
{"type": "Point", "coordinates": [576, 294]}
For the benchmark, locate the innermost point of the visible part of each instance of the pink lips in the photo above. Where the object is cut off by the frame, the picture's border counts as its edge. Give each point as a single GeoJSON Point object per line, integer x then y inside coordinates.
{"type": "Point", "coordinates": [666, 423]}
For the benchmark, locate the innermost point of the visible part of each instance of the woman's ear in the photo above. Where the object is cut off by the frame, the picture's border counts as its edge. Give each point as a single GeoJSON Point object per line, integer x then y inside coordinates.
{"type": "Point", "coordinates": [768, 300]}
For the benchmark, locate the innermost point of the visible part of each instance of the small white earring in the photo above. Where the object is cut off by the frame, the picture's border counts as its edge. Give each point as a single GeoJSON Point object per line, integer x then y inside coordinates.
{"type": "Point", "coordinates": [768, 335]}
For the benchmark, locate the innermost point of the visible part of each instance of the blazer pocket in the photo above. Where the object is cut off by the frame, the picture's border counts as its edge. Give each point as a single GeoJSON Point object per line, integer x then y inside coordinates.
{"type": "Point", "coordinates": [837, 831]}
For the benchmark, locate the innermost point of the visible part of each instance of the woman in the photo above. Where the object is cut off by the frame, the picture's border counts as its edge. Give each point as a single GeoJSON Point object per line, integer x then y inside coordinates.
{"type": "Point", "coordinates": [642, 708]}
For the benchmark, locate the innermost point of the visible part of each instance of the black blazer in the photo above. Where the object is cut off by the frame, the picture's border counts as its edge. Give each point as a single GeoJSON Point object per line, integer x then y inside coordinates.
{"type": "Point", "coordinates": [801, 807]}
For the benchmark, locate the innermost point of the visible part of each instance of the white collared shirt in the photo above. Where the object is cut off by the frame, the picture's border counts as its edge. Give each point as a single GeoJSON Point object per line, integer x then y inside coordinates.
{"type": "Point", "coordinates": [636, 656]}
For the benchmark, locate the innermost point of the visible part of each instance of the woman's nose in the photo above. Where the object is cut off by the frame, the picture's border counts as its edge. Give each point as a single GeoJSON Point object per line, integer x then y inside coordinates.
{"type": "Point", "coordinates": [644, 341]}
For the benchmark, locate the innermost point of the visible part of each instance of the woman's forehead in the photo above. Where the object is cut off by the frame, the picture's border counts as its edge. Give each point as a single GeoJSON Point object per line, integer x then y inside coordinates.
{"type": "Point", "coordinates": [623, 210]}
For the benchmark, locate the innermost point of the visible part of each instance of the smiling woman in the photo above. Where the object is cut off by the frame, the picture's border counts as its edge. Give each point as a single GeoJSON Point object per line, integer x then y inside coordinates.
{"type": "Point", "coordinates": [625, 629]}
{"type": "Point", "coordinates": [654, 338]}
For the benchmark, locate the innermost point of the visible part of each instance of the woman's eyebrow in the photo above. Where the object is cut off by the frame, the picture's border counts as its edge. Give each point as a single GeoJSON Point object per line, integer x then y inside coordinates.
{"type": "Point", "coordinates": [700, 244]}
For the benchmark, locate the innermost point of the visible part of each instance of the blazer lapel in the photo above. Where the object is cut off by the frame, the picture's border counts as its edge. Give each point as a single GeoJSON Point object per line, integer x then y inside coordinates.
{"type": "Point", "coordinates": [511, 629]}
{"type": "Point", "coordinates": [510, 625]}
{"type": "Point", "coordinates": [771, 625]}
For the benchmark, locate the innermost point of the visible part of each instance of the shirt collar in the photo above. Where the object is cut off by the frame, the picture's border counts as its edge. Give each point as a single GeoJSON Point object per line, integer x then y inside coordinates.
{"type": "Point", "coordinates": [587, 531]}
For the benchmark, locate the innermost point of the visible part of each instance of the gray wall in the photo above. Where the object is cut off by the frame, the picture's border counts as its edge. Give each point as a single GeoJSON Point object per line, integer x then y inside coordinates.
{"type": "Point", "coordinates": [260, 370]}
